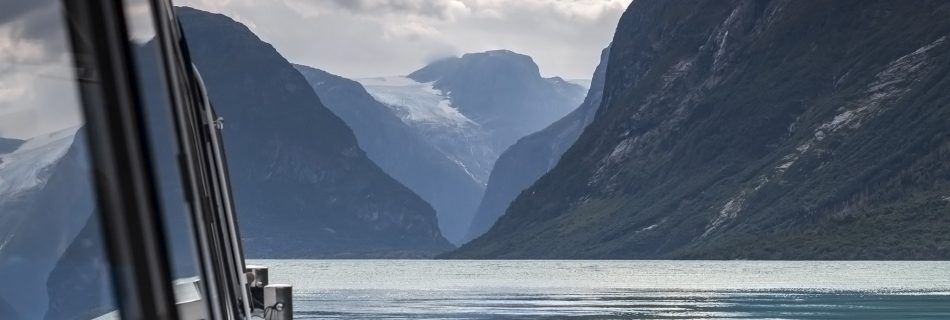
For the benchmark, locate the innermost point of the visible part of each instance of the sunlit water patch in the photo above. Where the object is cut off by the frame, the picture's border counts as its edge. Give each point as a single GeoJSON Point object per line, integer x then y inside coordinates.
{"type": "Point", "coordinates": [420, 289]}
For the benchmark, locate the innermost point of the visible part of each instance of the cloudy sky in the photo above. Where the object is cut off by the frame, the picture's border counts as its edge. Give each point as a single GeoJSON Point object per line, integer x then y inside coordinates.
{"type": "Point", "coordinates": [37, 94]}
{"type": "Point", "coordinates": [365, 38]}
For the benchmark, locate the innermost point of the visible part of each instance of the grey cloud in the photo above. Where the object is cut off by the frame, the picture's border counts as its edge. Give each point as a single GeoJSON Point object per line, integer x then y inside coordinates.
{"type": "Point", "coordinates": [37, 93]}
{"type": "Point", "coordinates": [36, 36]}
{"type": "Point", "coordinates": [46, 26]}
{"type": "Point", "coordinates": [440, 9]}
{"type": "Point", "coordinates": [366, 38]}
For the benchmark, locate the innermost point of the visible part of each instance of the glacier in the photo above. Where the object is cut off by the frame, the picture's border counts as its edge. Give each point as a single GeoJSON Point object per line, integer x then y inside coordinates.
{"type": "Point", "coordinates": [431, 113]}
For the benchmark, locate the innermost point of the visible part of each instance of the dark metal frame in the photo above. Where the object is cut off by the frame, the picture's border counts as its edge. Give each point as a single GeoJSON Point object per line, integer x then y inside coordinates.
{"type": "Point", "coordinates": [184, 103]}
{"type": "Point", "coordinates": [231, 258]}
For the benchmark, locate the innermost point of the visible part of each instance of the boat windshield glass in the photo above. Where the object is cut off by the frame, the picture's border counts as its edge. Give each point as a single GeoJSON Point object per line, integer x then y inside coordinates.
{"type": "Point", "coordinates": [52, 255]}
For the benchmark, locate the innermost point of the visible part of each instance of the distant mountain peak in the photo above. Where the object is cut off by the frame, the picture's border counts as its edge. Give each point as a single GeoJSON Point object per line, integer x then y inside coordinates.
{"type": "Point", "coordinates": [498, 54]}
{"type": "Point", "coordinates": [501, 62]}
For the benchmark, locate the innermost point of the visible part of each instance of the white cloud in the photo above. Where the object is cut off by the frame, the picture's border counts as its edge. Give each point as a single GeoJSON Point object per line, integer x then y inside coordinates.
{"type": "Point", "coordinates": [412, 31]}
{"type": "Point", "coordinates": [443, 10]}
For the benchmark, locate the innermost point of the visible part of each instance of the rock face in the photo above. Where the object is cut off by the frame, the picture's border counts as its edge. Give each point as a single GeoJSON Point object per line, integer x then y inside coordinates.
{"type": "Point", "coordinates": [401, 151]}
{"type": "Point", "coordinates": [303, 188]}
{"type": "Point", "coordinates": [532, 156]}
{"type": "Point", "coordinates": [471, 108]}
{"type": "Point", "coordinates": [758, 130]}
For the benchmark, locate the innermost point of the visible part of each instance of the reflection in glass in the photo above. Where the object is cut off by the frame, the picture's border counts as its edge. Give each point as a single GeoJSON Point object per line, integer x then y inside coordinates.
{"type": "Point", "coordinates": [158, 112]}
{"type": "Point", "coordinates": [52, 258]}
{"type": "Point", "coordinates": [164, 147]}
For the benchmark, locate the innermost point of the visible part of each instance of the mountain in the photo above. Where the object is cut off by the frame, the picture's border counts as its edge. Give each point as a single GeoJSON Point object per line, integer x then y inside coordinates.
{"type": "Point", "coordinates": [501, 91]}
{"type": "Point", "coordinates": [302, 186]}
{"type": "Point", "coordinates": [473, 107]}
{"type": "Point", "coordinates": [400, 150]}
{"type": "Point", "coordinates": [532, 156]}
{"type": "Point", "coordinates": [754, 129]}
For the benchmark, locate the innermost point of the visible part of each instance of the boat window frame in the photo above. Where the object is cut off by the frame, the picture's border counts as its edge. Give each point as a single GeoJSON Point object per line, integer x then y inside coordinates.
{"type": "Point", "coordinates": [231, 259]}
{"type": "Point", "coordinates": [125, 177]}
{"type": "Point", "coordinates": [204, 161]}
{"type": "Point", "coordinates": [185, 102]}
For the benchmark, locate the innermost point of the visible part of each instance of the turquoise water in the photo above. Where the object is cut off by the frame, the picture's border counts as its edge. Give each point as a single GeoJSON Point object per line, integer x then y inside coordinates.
{"type": "Point", "coordinates": [425, 289]}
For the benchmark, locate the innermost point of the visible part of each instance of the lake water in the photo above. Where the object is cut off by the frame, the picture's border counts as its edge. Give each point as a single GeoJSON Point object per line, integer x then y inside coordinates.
{"type": "Point", "coordinates": [425, 289]}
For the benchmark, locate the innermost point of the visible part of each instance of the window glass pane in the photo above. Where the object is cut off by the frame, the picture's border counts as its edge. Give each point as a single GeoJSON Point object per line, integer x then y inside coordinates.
{"type": "Point", "coordinates": [164, 148]}
{"type": "Point", "coordinates": [162, 137]}
{"type": "Point", "coordinates": [52, 259]}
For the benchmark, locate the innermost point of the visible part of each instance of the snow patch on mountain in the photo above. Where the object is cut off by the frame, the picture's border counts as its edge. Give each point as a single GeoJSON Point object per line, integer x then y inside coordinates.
{"type": "Point", "coordinates": [430, 111]}
{"type": "Point", "coordinates": [729, 212]}
{"type": "Point", "coordinates": [416, 102]}
{"type": "Point", "coordinates": [650, 227]}
{"type": "Point", "coordinates": [26, 167]}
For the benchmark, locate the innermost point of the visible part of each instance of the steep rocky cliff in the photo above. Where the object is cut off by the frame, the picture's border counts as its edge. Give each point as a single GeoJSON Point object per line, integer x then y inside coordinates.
{"type": "Point", "coordinates": [754, 129]}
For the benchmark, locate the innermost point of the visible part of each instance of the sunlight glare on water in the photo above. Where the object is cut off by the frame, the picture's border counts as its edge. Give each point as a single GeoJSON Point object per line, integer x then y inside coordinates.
{"type": "Point", "coordinates": [427, 289]}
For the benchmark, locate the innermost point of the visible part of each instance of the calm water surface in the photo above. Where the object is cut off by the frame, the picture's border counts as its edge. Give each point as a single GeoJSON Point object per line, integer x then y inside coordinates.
{"type": "Point", "coordinates": [423, 289]}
